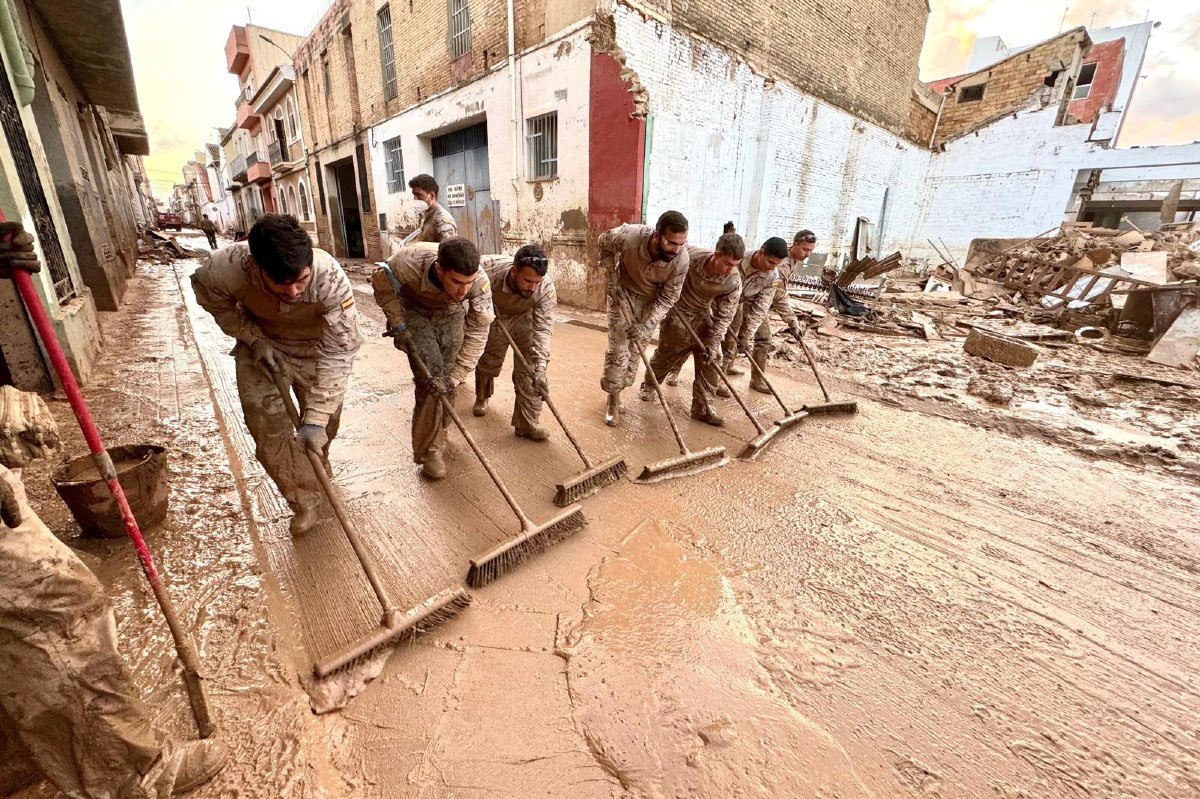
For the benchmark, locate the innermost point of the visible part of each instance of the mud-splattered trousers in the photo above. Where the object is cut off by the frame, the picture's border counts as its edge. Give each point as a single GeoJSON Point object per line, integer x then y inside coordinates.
{"type": "Point", "coordinates": [65, 690]}
{"type": "Point", "coordinates": [448, 336]}
{"type": "Point", "coordinates": [782, 305]}
{"type": "Point", "coordinates": [530, 321]}
{"type": "Point", "coordinates": [316, 338]}
{"type": "Point", "coordinates": [708, 304]}
{"type": "Point", "coordinates": [650, 287]}
{"type": "Point", "coordinates": [758, 292]}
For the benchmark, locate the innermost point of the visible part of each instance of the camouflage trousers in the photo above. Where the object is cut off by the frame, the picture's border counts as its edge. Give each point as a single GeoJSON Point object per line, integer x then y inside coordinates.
{"type": "Point", "coordinates": [621, 359]}
{"type": "Point", "coordinates": [761, 344]}
{"type": "Point", "coordinates": [437, 338]}
{"type": "Point", "coordinates": [528, 405]}
{"type": "Point", "coordinates": [274, 436]}
{"type": "Point", "coordinates": [66, 693]}
{"type": "Point", "coordinates": [675, 344]}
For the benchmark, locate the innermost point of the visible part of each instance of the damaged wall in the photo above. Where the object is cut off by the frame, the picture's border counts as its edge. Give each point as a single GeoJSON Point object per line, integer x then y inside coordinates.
{"type": "Point", "coordinates": [727, 143]}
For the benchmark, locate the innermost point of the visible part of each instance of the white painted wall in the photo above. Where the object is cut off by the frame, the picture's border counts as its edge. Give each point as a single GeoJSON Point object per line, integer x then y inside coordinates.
{"type": "Point", "coordinates": [552, 77]}
{"type": "Point", "coordinates": [727, 144]}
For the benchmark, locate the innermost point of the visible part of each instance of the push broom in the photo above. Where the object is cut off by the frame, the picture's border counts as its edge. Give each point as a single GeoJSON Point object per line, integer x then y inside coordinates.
{"type": "Point", "coordinates": [687, 462]}
{"type": "Point", "coordinates": [396, 625]}
{"type": "Point", "coordinates": [533, 538]}
{"type": "Point", "coordinates": [592, 478]}
{"type": "Point", "coordinates": [755, 446]}
{"type": "Point", "coordinates": [846, 406]}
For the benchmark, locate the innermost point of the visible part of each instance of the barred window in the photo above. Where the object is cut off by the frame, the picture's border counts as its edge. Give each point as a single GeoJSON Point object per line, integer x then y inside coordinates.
{"type": "Point", "coordinates": [460, 28]}
{"type": "Point", "coordinates": [387, 59]}
{"type": "Point", "coordinates": [541, 140]}
{"type": "Point", "coordinates": [394, 163]}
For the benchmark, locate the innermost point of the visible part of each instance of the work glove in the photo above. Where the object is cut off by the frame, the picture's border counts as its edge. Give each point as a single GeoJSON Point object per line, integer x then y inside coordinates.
{"type": "Point", "coordinates": [638, 331]}
{"type": "Point", "coordinates": [794, 330]}
{"type": "Point", "coordinates": [314, 437]}
{"type": "Point", "coordinates": [264, 353]}
{"type": "Point", "coordinates": [443, 384]}
{"type": "Point", "coordinates": [16, 250]}
{"type": "Point", "coordinates": [541, 382]}
{"type": "Point", "coordinates": [10, 509]}
{"type": "Point", "coordinates": [400, 336]}
{"type": "Point", "coordinates": [713, 354]}
{"type": "Point", "coordinates": [743, 346]}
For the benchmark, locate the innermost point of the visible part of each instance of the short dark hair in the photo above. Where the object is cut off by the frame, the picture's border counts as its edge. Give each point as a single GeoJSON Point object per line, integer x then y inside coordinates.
{"type": "Point", "coordinates": [672, 222]}
{"type": "Point", "coordinates": [280, 247]}
{"type": "Point", "coordinates": [731, 244]}
{"type": "Point", "coordinates": [805, 235]}
{"type": "Point", "coordinates": [205, 216]}
{"type": "Point", "coordinates": [458, 255]}
{"type": "Point", "coordinates": [775, 247]}
{"type": "Point", "coordinates": [532, 256]}
{"type": "Point", "coordinates": [424, 183]}
{"type": "Point", "coordinates": [728, 227]}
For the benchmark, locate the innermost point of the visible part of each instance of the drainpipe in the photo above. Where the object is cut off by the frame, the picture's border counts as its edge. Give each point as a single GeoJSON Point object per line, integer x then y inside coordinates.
{"type": "Point", "coordinates": [516, 122]}
{"type": "Point", "coordinates": [938, 118]}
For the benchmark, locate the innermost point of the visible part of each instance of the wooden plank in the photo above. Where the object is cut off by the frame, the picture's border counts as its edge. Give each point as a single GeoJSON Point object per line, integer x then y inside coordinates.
{"type": "Point", "coordinates": [1179, 345]}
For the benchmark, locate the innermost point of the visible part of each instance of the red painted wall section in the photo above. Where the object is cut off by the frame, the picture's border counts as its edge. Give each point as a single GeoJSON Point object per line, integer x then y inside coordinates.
{"type": "Point", "coordinates": [1109, 58]}
{"type": "Point", "coordinates": [617, 147]}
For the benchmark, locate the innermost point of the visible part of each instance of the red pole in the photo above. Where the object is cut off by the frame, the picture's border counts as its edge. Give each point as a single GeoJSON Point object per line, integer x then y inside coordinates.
{"type": "Point", "coordinates": [104, 464]}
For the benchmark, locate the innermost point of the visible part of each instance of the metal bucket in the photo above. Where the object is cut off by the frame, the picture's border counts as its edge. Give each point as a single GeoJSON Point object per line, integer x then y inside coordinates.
{"type": "Point", "coordinates": [142, 469]}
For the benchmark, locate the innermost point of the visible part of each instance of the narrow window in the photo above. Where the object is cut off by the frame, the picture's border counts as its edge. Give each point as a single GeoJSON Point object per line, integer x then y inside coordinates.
{"type": "Point", "coordinates": [1083, 86]}
{"type": "Point", "coordinates": [328, 83]}
{"type": "Point", "coordinates": [971, 94]}
{"type": "Point", "coordinates": [394, 163]}
{"type": "Point", "coordinates": [541, 141]}
{"type": "Point", "coordinates": [292, 126]}
{"type": "Point", "coordinates": [303, 202]}
{"type": "Point", "coordinates": [386, 57]}
{"type": "Point", "coordinates": [460, 28]}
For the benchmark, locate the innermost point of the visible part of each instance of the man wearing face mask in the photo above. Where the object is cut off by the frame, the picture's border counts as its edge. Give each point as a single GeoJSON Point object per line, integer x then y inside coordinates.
{"type": "Point", "coordinates": [436, 224]}
{"type": "Point", "coordinates": [646, 267]}
{"type": "Point", "coordinates": [292, 311]}
{"type": "Point", "coordinates": [708, 302]}
{"type": "Point", "coordinates": [524, 298]}
{"type": "Point", "coordinates": [438, 303]}
{"type": "Point", "coordinates": [760, 281]}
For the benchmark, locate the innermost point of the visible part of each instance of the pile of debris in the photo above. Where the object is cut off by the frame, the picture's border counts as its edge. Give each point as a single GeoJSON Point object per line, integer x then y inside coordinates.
{"type": "Point", "coordinates": [1124, 291]}
{"type": "Point", "coordinates": [164, 248]}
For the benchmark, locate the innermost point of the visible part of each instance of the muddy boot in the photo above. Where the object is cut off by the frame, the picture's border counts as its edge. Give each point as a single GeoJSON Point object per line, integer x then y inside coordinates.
{"type": "Point", "coordinates": [434, 466]}
{"type": "Point", "coordinates": [707, 415]}
{"type": "Point", "coordinates": [304, 517]}
{"type": "Point", "coordinates": [731, 368]}
{"type": "Point", "coordinates": [613, 414]}
{"type": "Point", "coordinates": [480, 406]}
{"type": "Point", "coordinates": [646, 393]}
{"type": "Point", "coordinates": [756, 381]}
{"type": "Point", "coordinates": [483, 390]}
{"type": "Point", "coordinates": [533, 433]}
{"type": "Point", "coordinates": [202, 760]}
{"type": "Point", "coordinates": [673, 378]}
{"type": "Point", "coordinates": [723, 392]}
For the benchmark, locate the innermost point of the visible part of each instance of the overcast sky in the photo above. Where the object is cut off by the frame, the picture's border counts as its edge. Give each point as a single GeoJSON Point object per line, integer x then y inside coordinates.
{"type": "Point", "coordinates": [179, 60]}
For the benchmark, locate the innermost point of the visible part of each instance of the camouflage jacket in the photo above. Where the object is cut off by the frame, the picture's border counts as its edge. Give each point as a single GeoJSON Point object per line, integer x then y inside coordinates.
{"type": "Point", "coordinates": [782, 304]}
{"type": "Point", "coordinates": [758, 292]}
{"type": "Point", "coordinates": [702, 293]}
{"type": "Point", "coordinates": [417, 292]}
{"type": "Point", "coordinates": [510, 305]}
{"type": "Point", "coordinates": [437, 225]}
{"type": "Point", "coordinates": [322, 325]}
{"type": "Point", "coordinates": [625, 251]}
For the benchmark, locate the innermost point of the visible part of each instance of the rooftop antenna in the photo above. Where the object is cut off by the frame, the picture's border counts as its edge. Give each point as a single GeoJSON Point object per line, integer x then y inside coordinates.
{"type": "Point", "coordinates": [1062, 21]}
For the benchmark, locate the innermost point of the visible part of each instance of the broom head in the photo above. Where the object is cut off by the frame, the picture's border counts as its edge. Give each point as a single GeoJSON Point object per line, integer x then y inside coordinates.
{"type": "Point", "coordinates": [825, 408]}
{"type": "Point", "coordinates": [755, 447]}
{"type": "Point", "coordinates": [438, 609]}
{"type": "Point", "coordinates": [683, 465]}
{"type": "Point", "coordinates": [590, 481]}
{"type": "Point", "coordinates": [501, 560]}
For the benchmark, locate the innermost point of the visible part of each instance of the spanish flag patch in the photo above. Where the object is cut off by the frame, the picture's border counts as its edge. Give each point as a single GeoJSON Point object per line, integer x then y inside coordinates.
{"type": "Point", "coordinates": [347, 303]}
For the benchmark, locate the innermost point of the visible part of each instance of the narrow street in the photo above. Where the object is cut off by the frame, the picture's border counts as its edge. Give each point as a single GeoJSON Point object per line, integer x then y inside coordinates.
{"type": "Point", "coordinates": [889, 604]}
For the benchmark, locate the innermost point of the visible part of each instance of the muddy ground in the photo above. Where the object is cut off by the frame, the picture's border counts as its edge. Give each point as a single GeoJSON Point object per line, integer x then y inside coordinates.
{"type": "Point", "coordinates": [929, 598]}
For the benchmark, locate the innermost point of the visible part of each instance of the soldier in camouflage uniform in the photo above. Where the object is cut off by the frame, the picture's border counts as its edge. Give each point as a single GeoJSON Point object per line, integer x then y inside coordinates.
{"type": "Point", "coordinates": [760, 282]}
{"type": "Point", "coordinates": [436, 224]}
{"type": "Point", "coordinates": [802, 247]}
{"type": "Point", "coordinates": [292, 311]}
{"type": "Point", "coordinates": [524, 299]}
{"type": "Point", "coordinates": [438, 302]}
{"type": "Point", "coordinates": [67, 696]}
{"type": "Point", "coordinates": [646, 267]}
{"type": "Point", "coordinates": [708, 303]}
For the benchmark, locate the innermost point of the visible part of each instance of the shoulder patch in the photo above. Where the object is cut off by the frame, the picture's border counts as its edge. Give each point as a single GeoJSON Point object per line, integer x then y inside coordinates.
{"type": "Point", "coordinates": [347, 303]}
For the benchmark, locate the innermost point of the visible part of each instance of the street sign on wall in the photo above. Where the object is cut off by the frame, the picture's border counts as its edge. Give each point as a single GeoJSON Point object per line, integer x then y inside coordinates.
{"type": "Point", "coordinates": [456, 195]}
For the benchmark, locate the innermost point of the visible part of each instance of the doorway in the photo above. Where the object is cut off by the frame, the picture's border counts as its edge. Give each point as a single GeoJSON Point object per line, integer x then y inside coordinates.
{"type": "Point", "coordinates": [343, 206]}
{"type": "Point", "coordinates": [460, 166]}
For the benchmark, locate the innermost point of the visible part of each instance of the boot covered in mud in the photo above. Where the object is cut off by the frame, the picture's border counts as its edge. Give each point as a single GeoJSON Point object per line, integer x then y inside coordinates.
{"type": "Point", "coordinates": [200, 761]}
{"type": "Point", "coordinates": [646, 392]}
{"type": "Point", "coordinates": [305, 515]}
{"type": "Point", "coordinates": [612, 414]}
{"type": "Point", "coordinates": [756, 382]}
{"type": "Point", "coordinates": [708, 415]}
{"type": "Point", "coordinates": [534, 432]}
{"type": "Point", "coordinates": [673, 378]}
{"type": "Point", "coordinates": [434, 465]}
{"type": "Point", "coordinates": [729, 365]}
{"type": "Point", "coordinates": [483, 391]}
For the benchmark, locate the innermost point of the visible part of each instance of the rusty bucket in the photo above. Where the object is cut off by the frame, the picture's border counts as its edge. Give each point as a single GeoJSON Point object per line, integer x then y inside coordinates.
{"type": "Point", "coordinates": [142, 469]}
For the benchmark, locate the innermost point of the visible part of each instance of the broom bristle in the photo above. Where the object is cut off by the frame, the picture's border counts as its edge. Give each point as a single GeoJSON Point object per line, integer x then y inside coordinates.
{"type": "Point", "coordinates": [589, 483]}
{"type": "Point", "coordinates": [448, 604]}
{"type": "Point", "coordinates": [684, 465]}
{"type": "Point", "coordinates": [505, 558]}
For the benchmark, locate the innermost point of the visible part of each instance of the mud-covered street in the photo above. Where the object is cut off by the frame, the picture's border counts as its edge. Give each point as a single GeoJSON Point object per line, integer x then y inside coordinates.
{"type": "Point", "coordinates": [894, 603]}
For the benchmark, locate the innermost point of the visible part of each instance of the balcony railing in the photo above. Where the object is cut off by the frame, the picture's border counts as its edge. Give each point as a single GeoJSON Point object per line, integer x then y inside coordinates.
{"type": "Point", "coordinates": [251, 159]}
{"type": "Point", "coordinates": [237, 168]}
{"type": "Point", "coordinates": [275, 151]}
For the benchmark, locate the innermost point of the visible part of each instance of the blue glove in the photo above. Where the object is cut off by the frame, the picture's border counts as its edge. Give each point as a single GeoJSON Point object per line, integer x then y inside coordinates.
{"type": "Point", "coordinates": [314, 437]}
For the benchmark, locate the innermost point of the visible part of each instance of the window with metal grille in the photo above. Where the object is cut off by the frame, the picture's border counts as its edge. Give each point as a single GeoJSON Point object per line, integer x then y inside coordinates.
{"type": "Point", "coordinates": [387, 58]}
{"type": "Point", "coordinates": [460, 28]}
{"type": "Point", "coordinates": [394, 163]}
{"type": "Point", "coordinates": [1083, 86]}
{"type": "Point", "coordinates": [971, 94]}
{"type": "Point", "coordinates": [541, 140]}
